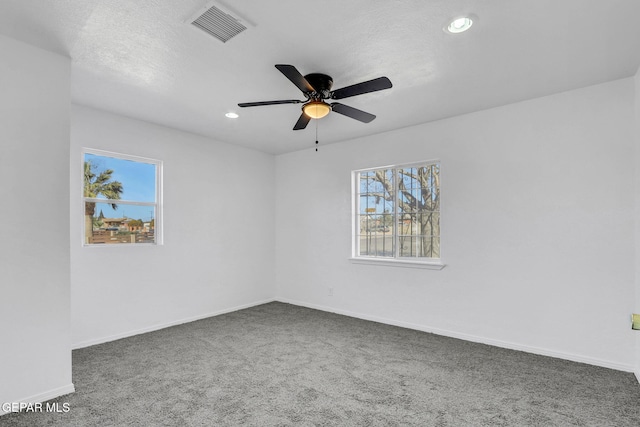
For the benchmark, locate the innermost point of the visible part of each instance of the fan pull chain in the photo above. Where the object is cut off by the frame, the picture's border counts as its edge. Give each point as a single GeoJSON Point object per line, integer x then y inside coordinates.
{"type": "Point", "coordinates": [316, 135]}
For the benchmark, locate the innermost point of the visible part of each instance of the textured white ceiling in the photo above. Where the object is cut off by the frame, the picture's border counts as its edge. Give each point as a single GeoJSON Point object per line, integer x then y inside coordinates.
{"type": "Point", "coordinates": [143, 59]}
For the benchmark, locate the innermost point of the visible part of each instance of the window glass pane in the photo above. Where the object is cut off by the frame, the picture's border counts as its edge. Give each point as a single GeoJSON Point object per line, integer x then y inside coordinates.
{"type": "Point", "coordinates": [429, 246]}
{"type": "Point", "coordinates": [379, 181]}
{"type": "Point", "coordinates": [435, 171]}
{"type": "Point", "coordinates": [137, 180]}
{"type": "Point", "coordinates": [375, 218]}
{"type": "Point", "coordinates": [375, 198]}
{"type": "Point", "coordinates": [416, 230]}
{"type": "Point", "coordinates": [376, 244]}
{"type": "Point", "coordinates": [125, 224]}
{"type": "Point", "coordinates": [416, 198]}
{"type": "Point", "coordinates": [404, 205]}
{"type": "Point", "coordinates": [407, 178]}
{"type": "Point", "coordinates": [415, 183]}
{"type": "Point", "coordinates": [386, 223]}
{"type": "Point", "coordinates": [407, 246]}
{"type": "Point", "coordinates": [363, 182]}
{"type": "Point", "coordinates": [129, 189]}
{"type": "Point", "coordinates": [375, 187]}
{"type": "Point", "coordinates": [429, 224]}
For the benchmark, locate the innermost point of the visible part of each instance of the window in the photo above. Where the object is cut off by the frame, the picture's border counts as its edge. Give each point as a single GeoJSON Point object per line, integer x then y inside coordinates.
{"type": "Point", "coordinates": [121, 199]}
{"type": "Point", "coordinates": [397, 213]}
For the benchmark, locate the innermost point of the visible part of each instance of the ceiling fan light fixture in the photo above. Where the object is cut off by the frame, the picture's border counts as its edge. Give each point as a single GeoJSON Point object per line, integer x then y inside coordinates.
{"type": "Point", "coordinates": [316, 109]}
{"type": "Point", "coordinates": [459, 25]}
{"type": "Point", "coordinates": [232, 115]}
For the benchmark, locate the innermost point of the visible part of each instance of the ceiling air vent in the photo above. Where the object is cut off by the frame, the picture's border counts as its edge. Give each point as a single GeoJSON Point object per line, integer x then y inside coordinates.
{"type": "Point", "coordinates": [221, 24]}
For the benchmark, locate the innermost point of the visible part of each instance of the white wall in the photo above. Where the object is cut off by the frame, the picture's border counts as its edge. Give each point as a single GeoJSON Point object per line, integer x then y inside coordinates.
{"type": "Point", "coordinates": [537, 220]}
{"type": "Point", "coordinates": [218, 252]}
{"type": "Point", "coordinates": [35, 346]}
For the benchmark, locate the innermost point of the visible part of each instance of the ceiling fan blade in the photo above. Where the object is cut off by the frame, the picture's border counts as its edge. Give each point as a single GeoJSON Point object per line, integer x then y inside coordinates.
{"type": "Point", "coordinates": [257, 104]}
{"type": "Point", "coordinates": [302, 122]}
{"type": "Point", "coordinates": [296, 78]}
{"type": "Point", "coordinates": [365, 87]}
{"type": "Point", "coordinates": [354, 113]}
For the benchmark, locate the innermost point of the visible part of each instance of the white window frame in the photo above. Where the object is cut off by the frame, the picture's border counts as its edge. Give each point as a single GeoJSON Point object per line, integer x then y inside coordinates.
{"type": "Point", "coordinates": [396, 260]}
{"type": "Point", "coordinates": [157, 205]}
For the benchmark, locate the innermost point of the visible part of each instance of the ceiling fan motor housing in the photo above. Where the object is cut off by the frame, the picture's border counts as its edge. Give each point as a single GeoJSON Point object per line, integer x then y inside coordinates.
{"type": "Point", "coordinates": [321, 83]}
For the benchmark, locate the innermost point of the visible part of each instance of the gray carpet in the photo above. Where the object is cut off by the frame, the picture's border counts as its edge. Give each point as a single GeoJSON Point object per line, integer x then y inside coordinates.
{"type": "Point", "coordinates": [283, 365]}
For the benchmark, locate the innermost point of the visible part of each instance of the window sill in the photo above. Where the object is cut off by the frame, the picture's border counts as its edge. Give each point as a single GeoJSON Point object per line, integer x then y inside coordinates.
{"type": "Point", "coordinates": [429, 265]}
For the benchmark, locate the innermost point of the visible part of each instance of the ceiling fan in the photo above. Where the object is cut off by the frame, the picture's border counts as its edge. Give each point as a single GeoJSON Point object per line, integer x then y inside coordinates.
{"type": "Point", "coordinates": [316, 88]}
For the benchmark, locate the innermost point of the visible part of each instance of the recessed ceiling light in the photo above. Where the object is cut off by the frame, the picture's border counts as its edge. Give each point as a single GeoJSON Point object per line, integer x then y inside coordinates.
{"type": "Point", "coordinates": [460, 25]}
{"type": "Point", "coordinates": [232, 115]}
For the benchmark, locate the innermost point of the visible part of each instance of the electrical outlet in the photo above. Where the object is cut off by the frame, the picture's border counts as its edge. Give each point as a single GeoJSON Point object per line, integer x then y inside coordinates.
{"type": "Point", "coordinates": [330, 292]}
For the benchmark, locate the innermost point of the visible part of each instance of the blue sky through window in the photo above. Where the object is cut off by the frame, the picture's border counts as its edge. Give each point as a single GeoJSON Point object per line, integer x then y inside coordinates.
{"type": "Point", "coordinates": [138, 181]}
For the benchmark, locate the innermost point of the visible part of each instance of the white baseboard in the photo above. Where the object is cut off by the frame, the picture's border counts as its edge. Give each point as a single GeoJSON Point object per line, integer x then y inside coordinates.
{"type": "Point", "coordinates": [42, 397]}
{"type": "Point", "coordinates": [637, 375]}
{"type": "Point", "coordinates": [472, 338]}
{"type": "Point", "coordinates": [159, 326]}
